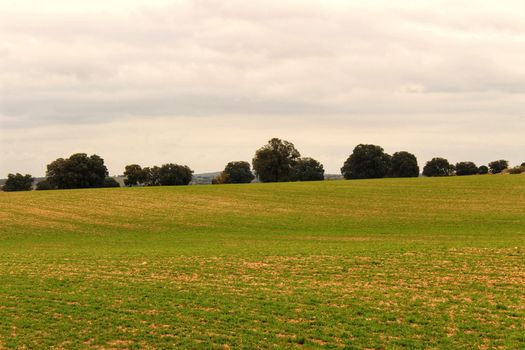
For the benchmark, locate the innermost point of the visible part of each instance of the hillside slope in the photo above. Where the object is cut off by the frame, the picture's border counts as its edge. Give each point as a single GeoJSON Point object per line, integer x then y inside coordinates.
{"type": "Point", "coordinates": [408, 263]}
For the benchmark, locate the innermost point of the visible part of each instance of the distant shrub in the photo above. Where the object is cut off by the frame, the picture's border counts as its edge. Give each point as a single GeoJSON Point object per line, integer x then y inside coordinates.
{"type": "Point", "coordinates": [498, 166]}
{"type": "Point", "coordinates": [134, 175]}
{"type": "Point", "coordinates": [238, 172]}
{"type": "Point", "coordinates": [152, 176]}
{"type": "Point", "coordinates": [174, 175]}
{"type": "Point", "coordinates": [404, 164]}
{"type": "Point", "coordinates": [111, 182]}
{"type": "Point", "coordinates": [466, 168]}
{"type": "Point", "coordinates": [275, 161]}
{"type": "Point", "coordinates": [482, 170]}
{"type": "Point", "coordinates": [517, 170]}
{"type": "Point", "coordinates": [44, 185]}
{"type": "Point", "coordinates": [438, 167]}
{"type": "Point", "coordinates": [367, 162]}
{"type": "Point", "coordinates": [18, 182]}
{"type": "Point", "coordinates": [166, 175]}
{"type": "Point", "coordinates": [77, 171]}
{"type": "Point", "coordinates": [308, 169]}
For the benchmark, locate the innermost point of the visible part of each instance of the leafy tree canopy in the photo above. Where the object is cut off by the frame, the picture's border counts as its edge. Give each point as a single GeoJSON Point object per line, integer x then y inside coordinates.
{"type": "Point", "coordinates": [18, 182]}
{"type": "Point", "coordinates": [111, 182]}
{"type": "Point", "coordinates": [135, 175]}
{"type": "Point", "coordinates": [483, 169]}
{"type": "Point", "coordinates": [77, 171]}
{"type": "Point", "coordinates": [308, 169]}
{"type": "Point", "coordinates": [174, 175]}
{"type": "Point", "coordinates": [152, 176]}
{"type": "Point", "coordinates": [235, 173]}
{"type": "Point", "coordinates": [404, 164]}
{"type": "Point", "coordinates": [498, 166]}
{"type": "Point", "coordinates": [275, 161]}
{"type": "Point", "coordinates": [466, 168]}
{"type": "Point", "coordinates": [438, 167]}
{"type": "Point", "coordinates": [517, 170]}
{"type": "Point", "coordinates": [44, 185]}
{"type": "Point", "coordinates": [366, 162]}
{"type": "Point", "coordinates": [239, 172]}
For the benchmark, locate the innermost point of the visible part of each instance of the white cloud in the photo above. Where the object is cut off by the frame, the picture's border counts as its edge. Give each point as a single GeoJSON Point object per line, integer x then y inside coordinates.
{"type": "Point", "coordinates": [391, 71]}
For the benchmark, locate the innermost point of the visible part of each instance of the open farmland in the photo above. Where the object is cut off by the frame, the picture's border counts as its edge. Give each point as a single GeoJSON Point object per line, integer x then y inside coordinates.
{"type": "Point", "coordinates": [391, 263]}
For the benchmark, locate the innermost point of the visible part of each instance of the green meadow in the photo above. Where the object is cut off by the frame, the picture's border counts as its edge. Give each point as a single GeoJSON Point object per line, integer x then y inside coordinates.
{"type": "Point", "coordinates": [420, 263]}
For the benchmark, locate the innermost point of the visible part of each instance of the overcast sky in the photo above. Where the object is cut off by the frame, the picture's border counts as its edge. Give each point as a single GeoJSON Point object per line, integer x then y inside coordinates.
{"type": "Point", "coordinates": [205, 82]}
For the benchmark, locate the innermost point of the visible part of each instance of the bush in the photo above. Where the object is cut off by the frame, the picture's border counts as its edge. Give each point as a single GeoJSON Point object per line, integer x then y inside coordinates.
{"type": "Point", "coordinates": [366, 162]}
{"type": "Point", "coordinates": [234, 173]}
{"type": "Point", "coordinates": [308, 169]}
{"type": "Point", "coordinates": [438, 167]}
{"type": "Point", "coordinates": [498, 166]}
{"type": "Point", "coordinates": [466, 168]}
{"type": "Point", "coordinates": [18, 182]}
{"type": "Point", "coordinates": [44, 185]}
{"type": "Point", "coordinates": [135, 175]}
{"type": "Point", "coordinates": [152, 176]}
{"type": "Point", "coordinates": [77, 171]}
{"type": "Point", "coordinates": [111, 182]}
{"type": "Point", "coordinates": [482, 170]}
{"type": "Point", "coordinates": [517, 170]}
{"type": "Point", "coordinates": [238, 172]}
{"type": "Point", "coordinates": [275, 161]}
{"type": "Point", "coordinates": [404, 164]}
{"type": "Point", "coordinates": [174, 175]}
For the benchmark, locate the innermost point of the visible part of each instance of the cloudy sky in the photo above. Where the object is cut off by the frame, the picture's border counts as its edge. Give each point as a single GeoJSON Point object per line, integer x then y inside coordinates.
{"type": "Point", "coordinates": [205, 82]}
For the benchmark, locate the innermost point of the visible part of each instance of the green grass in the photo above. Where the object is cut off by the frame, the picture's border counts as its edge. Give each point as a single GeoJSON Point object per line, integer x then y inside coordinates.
{"type": "Point", "coordinates": [396, 263]}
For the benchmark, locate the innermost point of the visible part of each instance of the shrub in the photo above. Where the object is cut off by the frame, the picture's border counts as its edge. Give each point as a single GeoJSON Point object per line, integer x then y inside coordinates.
{"type": "Point", "coordinates": [18, 182]}
{"type": "Point", "coordinates": [438, 167]}
{"type": "Point", "coordinates": [308, 169]}
{"type": "Point", "coordinates": [152, 176]}
{"type": "Point", "coordinates": [77, 171]}
{"type": "Point", "coordinates": [275, 161]}
{"type": "Point", "coordinates": [483, 170]}
{"type": "Point", "coordinates": [135, 175]}
{"type": "Point", "coordinates": [44, 185]}
{"type": "Point", "coordinates": [366, 162]}
{"type": "Point", "coordinates": [517, 170]}
{"type": "Point", "coordinates": [466, 168]}
{"type": "Point", "coordinates": [111, 182]}
{"type": "Point", "coordinates": [404, 164]}
{"type": "Point", "coordinates": [238, 172]}
{"type": "Point", "coordinates": [174, 175]}
{"type": "Point", "coordinates": [498, 166]}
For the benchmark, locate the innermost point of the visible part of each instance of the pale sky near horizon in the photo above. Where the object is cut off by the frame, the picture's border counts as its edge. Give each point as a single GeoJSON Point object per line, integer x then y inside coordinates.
{"type": "Point", "coordinates": [205, 82]}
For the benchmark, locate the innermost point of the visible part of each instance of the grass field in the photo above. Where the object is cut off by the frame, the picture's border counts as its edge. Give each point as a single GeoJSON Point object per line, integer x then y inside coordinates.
{"type": "Point", "coordinates": [394, 263]}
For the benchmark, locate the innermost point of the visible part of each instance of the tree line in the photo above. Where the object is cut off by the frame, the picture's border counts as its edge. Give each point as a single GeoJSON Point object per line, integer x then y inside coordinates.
{"type": "Point", "coordinates": [277, 161]}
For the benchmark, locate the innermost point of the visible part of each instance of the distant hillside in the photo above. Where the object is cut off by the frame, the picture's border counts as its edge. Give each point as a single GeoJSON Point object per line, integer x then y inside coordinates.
{"type": "Point", "coordinates": [385, 263]}
{"type": "Point", "coordinates": [204, 178]}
